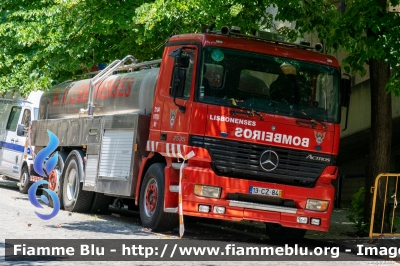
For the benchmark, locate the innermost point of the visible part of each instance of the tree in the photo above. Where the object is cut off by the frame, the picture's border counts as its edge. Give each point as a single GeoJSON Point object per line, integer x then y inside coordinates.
{"type": "Point", "coordinates": [48, 41]}
{"type": "Point", "coordinates": [161, 19]}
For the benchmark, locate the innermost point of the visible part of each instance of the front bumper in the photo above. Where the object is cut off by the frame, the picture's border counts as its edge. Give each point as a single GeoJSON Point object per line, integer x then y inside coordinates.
{"type": "Point", "coordinates": [237, 210]}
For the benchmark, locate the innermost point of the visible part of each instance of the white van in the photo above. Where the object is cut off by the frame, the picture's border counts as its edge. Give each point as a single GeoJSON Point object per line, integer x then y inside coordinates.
{"type": "Point", "coordinates": [16, 113]}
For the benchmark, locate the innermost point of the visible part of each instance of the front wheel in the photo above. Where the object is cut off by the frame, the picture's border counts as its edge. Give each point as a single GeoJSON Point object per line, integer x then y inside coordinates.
{"type": "Point", "coordinates": [151, 203]}
{"type": "Point", "coordinates": [278, 232]}
{"type": "Point", "coordinates": [24, 180]}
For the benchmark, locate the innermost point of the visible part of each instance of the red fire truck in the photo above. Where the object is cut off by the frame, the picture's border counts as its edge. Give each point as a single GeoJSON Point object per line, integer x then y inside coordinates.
{"type": "Point", "coordinates": [247, 128]}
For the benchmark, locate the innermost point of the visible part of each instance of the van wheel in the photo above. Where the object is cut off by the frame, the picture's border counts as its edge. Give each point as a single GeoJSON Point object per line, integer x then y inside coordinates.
{"type": "Point", "coordinates": [24, 180]}
{"type": "Point", "coordinates": [55, 179]}
{"type": "Point", "coordinates": [151, 203]}
{"type": "Point", "coordinates": [278, 232]}
{"type": "Point", "coordinates": [73, 197]}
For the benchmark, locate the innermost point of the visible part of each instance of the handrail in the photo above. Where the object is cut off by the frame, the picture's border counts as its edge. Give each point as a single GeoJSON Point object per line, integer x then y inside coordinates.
{"type": "Point", "coordinates": [133, 66]}
{"type": "Point", "coordinates": [100, 77]}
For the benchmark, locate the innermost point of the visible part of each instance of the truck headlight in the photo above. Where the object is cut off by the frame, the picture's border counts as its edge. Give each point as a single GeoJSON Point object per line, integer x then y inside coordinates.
{"type": "Point", "coordinates": [317, 205]}
{"type": "Point", "coordinates": [207, 191]}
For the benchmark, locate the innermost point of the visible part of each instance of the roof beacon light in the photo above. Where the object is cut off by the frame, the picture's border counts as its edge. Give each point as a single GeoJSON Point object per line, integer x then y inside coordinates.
{"type": "Point", "coordinates": [235, 29]}
{"type": "Point", "coordinates": [319, 47]}
{"type": "Point", "coordinates": [225, 30]}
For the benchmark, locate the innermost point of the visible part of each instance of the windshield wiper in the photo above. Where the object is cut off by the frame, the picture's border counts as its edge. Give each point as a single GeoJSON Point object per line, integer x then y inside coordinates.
{"type": "Point", "coordinates": [312, 121]}
{"type": "Point", "coordinates": [319, 122]}
{"type": "Point", "coordinates": [248, 113]}
{"type": "Point", "coordinates": [254, 112]}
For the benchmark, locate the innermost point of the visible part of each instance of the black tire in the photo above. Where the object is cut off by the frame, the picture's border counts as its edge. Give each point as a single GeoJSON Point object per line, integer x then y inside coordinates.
{"type": "Point", "coordinates": [278, 232]}
{"type": "Point", "coordinates": [100, 203]}
{"type": "Point", "coordinates": [62, 157]}
{"type": "Point", "coordinates": [131, 205]}
{"type": "Point", "coordinates": [24, 183]}
{"type": "Point", "coordinates": [152, 214]}
{"type": "Point", "coordinates": [73, 197]}
{"type": "Point", "coordinates": [5, 177]}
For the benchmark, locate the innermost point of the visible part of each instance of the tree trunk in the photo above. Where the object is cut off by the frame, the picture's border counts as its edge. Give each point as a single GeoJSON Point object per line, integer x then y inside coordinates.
{"type": "Point", "coordinates": [381, 131]}
{"type": "Point", "coordinates": [380, 139]}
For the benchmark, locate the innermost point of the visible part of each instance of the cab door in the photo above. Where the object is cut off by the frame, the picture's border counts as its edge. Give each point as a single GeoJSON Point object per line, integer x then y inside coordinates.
{"type": "Point", "coordinates": [13, 145]}
{"type": "Point", "coordinates": [176, 115]}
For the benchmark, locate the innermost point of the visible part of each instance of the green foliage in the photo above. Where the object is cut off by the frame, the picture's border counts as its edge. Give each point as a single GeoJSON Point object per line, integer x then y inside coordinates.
{"type": "Point", "coordinates": [48, 41]}
{"type": "Point", "coordinates": [364, 31]}
{"type": "Point", "coordinates": [356, 215]}
{"type": "Point", "coordinates": [159, 20]}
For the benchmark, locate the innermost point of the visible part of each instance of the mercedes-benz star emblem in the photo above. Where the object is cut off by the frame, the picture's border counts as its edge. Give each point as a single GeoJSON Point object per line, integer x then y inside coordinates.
{"type": "Point", "coordinates": [269, 160]}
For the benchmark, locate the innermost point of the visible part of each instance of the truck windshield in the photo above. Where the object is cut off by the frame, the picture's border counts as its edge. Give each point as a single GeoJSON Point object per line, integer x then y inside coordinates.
{"type": "Point", "coordinates": [269, 84]}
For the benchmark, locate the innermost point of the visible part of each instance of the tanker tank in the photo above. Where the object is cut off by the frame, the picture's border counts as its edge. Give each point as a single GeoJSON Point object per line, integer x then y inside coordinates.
{"type": "Point", "coordinates": [123, 93]}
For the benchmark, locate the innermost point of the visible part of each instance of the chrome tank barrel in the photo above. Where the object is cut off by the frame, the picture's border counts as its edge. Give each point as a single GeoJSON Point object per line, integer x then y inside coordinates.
{"type": "Point", "coordinates": [123, 93]}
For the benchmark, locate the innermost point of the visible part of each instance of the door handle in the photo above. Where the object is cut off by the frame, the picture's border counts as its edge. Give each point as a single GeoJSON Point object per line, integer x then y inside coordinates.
{"type": "Point", "coordinates": [16, 140]}
{"type": "Point", "coordinates": [12, 140]}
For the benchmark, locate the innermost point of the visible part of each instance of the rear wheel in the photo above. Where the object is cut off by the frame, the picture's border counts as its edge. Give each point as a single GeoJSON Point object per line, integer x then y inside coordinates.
{"type": "Point", "coordinates": [24, 180]}
{"type": "Point", "coordinates": [131, 205]}
{"type": "Point", "coordinates": [151, 203]}
{"type": "Point", "coordinates": [73, 197]}
{"type": "Point", "coordinates": [278, 232]}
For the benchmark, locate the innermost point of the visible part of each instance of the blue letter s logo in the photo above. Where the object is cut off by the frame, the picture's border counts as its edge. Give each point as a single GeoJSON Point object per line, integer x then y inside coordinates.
{"type": "Point", "coordinates": [42, 155]}
{"type": "Point", "coordinates": [38, 167]}
{"type": "Point", "coordinates": [35, 202]}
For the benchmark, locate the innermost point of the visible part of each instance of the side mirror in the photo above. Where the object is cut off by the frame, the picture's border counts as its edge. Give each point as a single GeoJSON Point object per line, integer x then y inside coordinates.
{"type": "Point", "coordinates": [182, 61]}
{"type": "Point", "coordinates": [345, 92]}
{"type": "Point", "coordinates": [21, 130]}
{"type": "Point", "coordinates": [178, 85]}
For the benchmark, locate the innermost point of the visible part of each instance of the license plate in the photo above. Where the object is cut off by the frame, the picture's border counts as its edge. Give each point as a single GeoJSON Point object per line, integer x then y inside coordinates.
{"type": "Point", "coordinates": [266, 191]}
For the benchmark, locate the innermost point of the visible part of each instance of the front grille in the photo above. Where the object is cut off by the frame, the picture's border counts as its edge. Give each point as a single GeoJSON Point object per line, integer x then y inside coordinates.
{"type": "Point", "coordinates": [240, 159]}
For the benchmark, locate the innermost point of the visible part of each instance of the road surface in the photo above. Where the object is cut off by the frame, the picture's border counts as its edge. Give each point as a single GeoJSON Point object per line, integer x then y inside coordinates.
{"type": "Point", "coordinates": [18, 221]}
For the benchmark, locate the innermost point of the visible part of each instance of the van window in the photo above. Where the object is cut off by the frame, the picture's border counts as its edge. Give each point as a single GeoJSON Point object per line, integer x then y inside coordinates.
{"type": "Point", "coordinates": [26, 118]}
{"type": "Point", "coordinates": [13, 118]}
{"type": "Point", "coordinates": [36, 113]}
